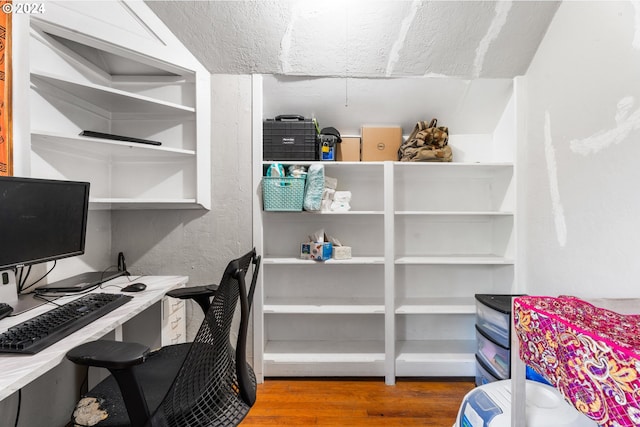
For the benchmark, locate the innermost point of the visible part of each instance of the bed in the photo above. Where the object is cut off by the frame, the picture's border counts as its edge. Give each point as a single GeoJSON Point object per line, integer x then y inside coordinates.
{"type": "Point", "coordinates": [591, 354]}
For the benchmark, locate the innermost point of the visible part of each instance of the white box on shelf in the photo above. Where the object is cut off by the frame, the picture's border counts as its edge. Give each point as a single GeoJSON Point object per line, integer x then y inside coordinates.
{"type": "Point", "coordinates": [341, 252]}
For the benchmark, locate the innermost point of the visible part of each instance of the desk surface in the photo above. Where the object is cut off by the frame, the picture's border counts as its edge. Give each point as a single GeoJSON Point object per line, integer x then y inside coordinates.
{"type": "Point", "coordinates": [20, 370]}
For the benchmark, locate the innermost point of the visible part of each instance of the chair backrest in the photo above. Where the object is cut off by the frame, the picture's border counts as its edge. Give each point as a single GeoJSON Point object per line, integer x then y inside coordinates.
{"type": "Point", "coordinates": [254, 279]}
{"type": "Point", "coordinates": [216, 386]}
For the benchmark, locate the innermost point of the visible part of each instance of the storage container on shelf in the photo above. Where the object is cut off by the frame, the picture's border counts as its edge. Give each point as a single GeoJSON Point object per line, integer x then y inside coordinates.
{"type": "Point", "coordinates": [493, 317]}
{"type": "Point", "coordinates": [495, 357]}
{"type": "Point", "coordinates": [281, 193]}
{"type": "Point", "coordinates": [289, 137]}
{"type": "Point", "coordinates": [483, 374]}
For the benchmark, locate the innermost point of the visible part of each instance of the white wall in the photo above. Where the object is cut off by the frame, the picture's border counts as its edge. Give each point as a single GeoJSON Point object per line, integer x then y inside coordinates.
{"type": "Point", "coordinates": [580, 168]}
{"type": "Point", "coordinates": [200, 243]}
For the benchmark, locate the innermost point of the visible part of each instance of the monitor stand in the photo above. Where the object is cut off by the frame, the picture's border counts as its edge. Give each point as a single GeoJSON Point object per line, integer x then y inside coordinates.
{"type": "Point", "coordinates": [9, 294]}
{"type": "Point", "coordinates": [8, 287]}
{"type": "Point", "coordinates": [29, 301]}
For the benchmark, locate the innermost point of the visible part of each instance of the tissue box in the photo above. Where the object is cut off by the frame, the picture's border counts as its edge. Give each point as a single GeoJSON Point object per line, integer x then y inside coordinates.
{"type": "Point", "coordinates": [341, 252]}
{"type": "Point", "coordinates": [318, 251]}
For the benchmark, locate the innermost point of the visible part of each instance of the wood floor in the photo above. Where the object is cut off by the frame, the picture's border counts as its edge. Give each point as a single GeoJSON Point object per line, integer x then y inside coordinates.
{"type": "Point", "coordinates": [359, 402]}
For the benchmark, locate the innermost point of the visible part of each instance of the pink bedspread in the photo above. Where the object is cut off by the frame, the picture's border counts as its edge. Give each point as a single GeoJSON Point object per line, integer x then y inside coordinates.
{"type": "Point", "coordinates": [590, 354]}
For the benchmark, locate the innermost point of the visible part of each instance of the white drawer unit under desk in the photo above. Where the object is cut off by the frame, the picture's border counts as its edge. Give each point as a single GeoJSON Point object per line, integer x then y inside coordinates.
{"type": "Point", "coordinates": [174, 325]}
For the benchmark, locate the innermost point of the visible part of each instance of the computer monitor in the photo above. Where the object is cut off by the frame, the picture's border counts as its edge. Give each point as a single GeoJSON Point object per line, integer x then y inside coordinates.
{"type": "Point", "coordinates": [41, 220]}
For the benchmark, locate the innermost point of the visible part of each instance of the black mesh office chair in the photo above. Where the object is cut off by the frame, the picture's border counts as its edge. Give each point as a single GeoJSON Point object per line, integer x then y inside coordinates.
{"type": "Point", "coordinates": [202, 294]}
{"type": "Point", "coordinates": [212, 384]}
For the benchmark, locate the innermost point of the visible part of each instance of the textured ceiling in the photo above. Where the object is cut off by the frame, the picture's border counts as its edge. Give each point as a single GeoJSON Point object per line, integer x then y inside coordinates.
{"type": "Point", "coordinates": [371, 38]}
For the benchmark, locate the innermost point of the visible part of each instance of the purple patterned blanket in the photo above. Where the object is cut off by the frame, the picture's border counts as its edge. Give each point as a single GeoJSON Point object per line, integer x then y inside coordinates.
{"type": "Point", "coordinates": [590, 354]}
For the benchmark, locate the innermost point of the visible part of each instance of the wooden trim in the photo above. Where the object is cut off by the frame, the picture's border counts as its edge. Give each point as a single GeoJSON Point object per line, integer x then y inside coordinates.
{"type": "Point", "coordinates": [6, 130]}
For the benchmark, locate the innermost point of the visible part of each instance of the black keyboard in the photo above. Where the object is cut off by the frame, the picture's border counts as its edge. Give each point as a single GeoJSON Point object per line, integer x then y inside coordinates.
{"type": "Point", "coordinates": [39, 332]}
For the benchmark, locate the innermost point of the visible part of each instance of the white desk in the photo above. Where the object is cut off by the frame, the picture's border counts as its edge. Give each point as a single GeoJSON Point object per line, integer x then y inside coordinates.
{"type": "Point", "coordinates": [19, 370]}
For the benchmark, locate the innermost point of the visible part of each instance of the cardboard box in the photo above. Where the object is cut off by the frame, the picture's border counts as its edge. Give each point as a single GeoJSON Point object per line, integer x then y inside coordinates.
{"type": "Point", "coordinates": [380, 143]}
{"type": "Point", "coordinates": [317, 251]}
{"type": "Point", "coordinates": [349, 149]}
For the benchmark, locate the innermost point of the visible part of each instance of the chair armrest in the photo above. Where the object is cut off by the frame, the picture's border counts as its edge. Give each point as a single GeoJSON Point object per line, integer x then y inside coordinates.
{"type": "Point", "coordinates": [109, 354]}
{"type": "Point", "coordinates": [119, 358]}
{"type": "Point", "coordinates": [193, 291]}
{"type": "Point", "coordinates": [200, 294]}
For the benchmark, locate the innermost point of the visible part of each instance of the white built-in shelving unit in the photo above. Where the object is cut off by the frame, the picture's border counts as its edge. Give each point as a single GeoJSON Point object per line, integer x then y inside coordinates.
{"type": "Point", "coordinates": [112, 68]}
{"type": "Point", "coordinates": [425, 237]}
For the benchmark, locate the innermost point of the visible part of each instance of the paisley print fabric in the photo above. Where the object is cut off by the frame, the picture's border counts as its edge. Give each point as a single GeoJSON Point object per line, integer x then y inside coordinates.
{"type": "Point", "coordinates": [590, 354]}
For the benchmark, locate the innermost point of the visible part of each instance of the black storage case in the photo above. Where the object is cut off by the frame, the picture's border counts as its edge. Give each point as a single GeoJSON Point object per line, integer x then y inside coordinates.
{"type": "Point", "coordinates": [289, 137]}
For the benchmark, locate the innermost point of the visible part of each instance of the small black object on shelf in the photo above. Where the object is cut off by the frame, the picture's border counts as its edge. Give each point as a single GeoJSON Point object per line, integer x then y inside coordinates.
{"type": "Point", "coordinates": [103, 135]}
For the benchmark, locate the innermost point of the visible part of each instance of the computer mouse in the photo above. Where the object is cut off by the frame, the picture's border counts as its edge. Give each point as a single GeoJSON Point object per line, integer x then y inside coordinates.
{"type": "Point", "coordinates": [134, 287]}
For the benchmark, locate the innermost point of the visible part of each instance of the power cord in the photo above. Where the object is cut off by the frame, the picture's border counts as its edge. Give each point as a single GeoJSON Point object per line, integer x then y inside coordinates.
{"type": "Point", "coordinates": [21, 276]}
{"type": "Point", "coordinates": [19, 404]}
{"type": "Point", "coordinates": [48, 301]}
{"type": "Point", "coordinates": [84, 386]}
{"type": "Point", "coordinates": [22, 288]}
{"type": "Point", "coordinates": [126, 275]}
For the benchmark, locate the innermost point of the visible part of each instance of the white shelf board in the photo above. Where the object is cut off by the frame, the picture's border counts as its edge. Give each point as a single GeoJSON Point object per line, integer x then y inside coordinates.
{"type": "Point", "coordinates": [114, 100]}
{"type": "Point", "coordinates": [471, 165]}
{"type": "Point", "coordinates": [436, 350]}
{"type": "Point", "coordinates": [327, 163]}
{"type": "Point", "coordinates": [298, 261]}
{"type": "Point", "coordinates": [344, 213]}
{"type": "Point", "coordinates": [376, 212]}
{"type": "Point", "coordinates": [324, 305]}
{"type": "Point", "coordinates": [324, 351]}
{"type": "Point", "coordinates": [106, 146]}
{"type": "Point", "coordinates": [440, 358]}
{"type": "Point", "coordinates": [436, 306]}
{"type": "Point", "coordinates": [455, 260]}
{"type": "Point", "coordinates": [125, 203]}
{"type": "Point", "coordinates": [454, 213]}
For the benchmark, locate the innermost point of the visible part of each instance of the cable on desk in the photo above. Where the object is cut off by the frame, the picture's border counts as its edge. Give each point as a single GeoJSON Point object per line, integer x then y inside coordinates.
{"type": "Point", "coordinates": [104, 285]}
{"type": "Point", "coordinates": [105, 270]}
{"type": "Point", "coordinates": [19, 272]}
{"type": "Point", "coordinates": [84, 386]}
{"type": "Point", "coordinates": [19, 404]}
{"type": "Point", "coordinates": [48, 301]}
{"type": "Point", "coordinates": [21, 286]}
{"type": "Point", "coordinates": [119, 286]}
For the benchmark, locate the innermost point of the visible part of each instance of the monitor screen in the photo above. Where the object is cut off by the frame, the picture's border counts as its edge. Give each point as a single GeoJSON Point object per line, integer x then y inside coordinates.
{"type": "Point", "coordinates": [41, 220]}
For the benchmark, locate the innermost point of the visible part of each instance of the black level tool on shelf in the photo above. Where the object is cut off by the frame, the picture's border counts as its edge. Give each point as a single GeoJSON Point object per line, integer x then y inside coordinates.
{"type": "Point", "coordinates": [103, 135]}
